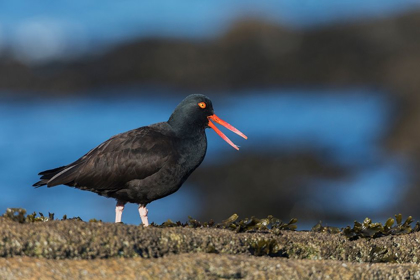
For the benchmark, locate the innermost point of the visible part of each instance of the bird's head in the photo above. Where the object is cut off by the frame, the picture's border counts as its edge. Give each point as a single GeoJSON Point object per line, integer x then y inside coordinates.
{"type": "Point", "coordinates": [196, 112]}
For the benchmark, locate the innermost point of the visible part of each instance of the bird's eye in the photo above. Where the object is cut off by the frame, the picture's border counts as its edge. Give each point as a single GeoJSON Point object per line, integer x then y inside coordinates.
{"type": "Point", "coordinates": [202, 105]}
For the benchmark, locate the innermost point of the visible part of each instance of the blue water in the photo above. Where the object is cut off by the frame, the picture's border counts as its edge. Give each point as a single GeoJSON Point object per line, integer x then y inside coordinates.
{"type": "Point", "coordinates": [347, 128]}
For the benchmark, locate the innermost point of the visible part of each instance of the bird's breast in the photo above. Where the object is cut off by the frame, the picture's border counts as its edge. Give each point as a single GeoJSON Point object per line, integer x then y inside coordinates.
{"type": "Point", "coordinates": [186, 157]}
{"type": "Point", "coordinates": [192, 152]}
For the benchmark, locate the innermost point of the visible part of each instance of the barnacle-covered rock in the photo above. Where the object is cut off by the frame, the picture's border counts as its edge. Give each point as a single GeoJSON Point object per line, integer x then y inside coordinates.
{"type": "Point", "coordinates": [75, 239]}
{"type": "Point", "coordinates": [233, 248]}
{"type": "Point", "coordinates": [201, 266]}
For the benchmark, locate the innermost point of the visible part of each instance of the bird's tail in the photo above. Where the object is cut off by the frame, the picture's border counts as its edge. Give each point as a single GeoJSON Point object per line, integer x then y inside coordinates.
{"type": "Point", "coordinates": [47, 175]}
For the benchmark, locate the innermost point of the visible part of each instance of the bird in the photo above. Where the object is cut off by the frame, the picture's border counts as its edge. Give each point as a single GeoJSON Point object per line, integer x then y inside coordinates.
{"type": "Point", "coordinates": [146, 163]}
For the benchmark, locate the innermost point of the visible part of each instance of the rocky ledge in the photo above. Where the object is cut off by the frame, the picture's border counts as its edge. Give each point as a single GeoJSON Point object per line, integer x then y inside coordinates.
{"type": "Point", "coordinates": [77, 249]}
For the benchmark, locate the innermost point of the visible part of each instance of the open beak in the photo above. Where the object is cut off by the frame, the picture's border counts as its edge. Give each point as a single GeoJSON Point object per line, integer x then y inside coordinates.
{"type": "Point", "coordinates": [228, 126]}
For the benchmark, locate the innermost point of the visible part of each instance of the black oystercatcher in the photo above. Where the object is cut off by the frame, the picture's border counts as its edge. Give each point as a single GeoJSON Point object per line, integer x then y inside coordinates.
{"type": "Point", "coordinates": [147, 163]}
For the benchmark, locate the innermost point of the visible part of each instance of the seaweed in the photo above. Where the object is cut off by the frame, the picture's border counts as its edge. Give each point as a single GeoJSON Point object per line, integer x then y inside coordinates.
{"type": "Point", "coordinates": [326, 229]}
{"type": "Point", "coordinates": [367, 229]}
{"type": "Point", "coordinates": [232, 223]}
{"type": "Point", "coordinates": [264, 247]}
{"type": "Point", "coordinates": [19, 215]}
{"type": "Point", "coordinates": [15, 214]}
{"type": "Point", "coordinates": [254, 224]}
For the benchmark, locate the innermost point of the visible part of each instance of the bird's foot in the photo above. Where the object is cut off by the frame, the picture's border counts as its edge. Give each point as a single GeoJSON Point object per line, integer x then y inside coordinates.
{"type": "Point", "coordinates": [143, 215]}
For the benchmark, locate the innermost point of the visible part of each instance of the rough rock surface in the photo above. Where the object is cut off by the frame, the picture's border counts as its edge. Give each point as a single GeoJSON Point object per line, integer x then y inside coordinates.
{"type": "Point", "coordinates": [76, 249]}
{"type": "Point", "coordinates": [201, 266]}
{"type": "Point", "coordinates": [74, 239]}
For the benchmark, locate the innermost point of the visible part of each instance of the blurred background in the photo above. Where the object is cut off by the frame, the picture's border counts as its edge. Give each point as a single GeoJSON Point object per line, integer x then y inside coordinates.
{"type": "Point", "coordinates": [326, 91]}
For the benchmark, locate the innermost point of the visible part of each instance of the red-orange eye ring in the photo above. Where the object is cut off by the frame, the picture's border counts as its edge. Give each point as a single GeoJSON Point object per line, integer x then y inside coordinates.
{"type": "Point", "coordinates": [202, 105]}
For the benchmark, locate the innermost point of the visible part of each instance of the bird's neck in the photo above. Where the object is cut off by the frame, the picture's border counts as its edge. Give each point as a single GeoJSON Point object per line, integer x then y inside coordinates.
{"type": "Point", "coordinates": [186, 128]}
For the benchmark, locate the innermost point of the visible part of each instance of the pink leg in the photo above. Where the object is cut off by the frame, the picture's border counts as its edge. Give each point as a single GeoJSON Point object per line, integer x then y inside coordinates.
{"type": "Point", "coordinates": [118, 211]}
{"type": "Point", "coordinates": [143, 215]}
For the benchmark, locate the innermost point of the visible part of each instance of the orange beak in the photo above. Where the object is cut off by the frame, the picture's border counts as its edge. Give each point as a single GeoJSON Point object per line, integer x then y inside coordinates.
{"type": "Point", "coordinates": [228, 126]}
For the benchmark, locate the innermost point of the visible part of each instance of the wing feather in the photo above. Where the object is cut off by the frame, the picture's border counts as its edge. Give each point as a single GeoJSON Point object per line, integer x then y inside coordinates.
{"type": "Point", "coordinates": [135, 154]}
